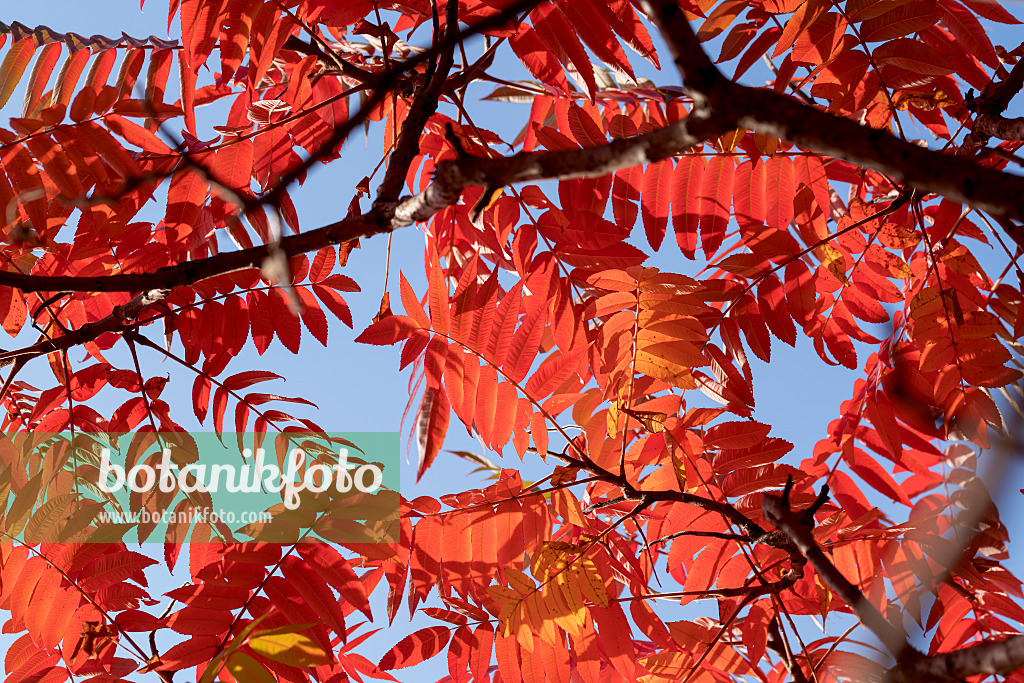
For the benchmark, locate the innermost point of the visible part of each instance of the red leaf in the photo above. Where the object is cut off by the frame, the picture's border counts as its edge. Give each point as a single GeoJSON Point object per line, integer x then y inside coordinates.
{"type": "Point", "coordinates": [586, 131]}
{"type": "Point", "coordinates": [525, 344]}
{"type": "Point", "coordinates": [185, 196]}
{"type": "Point", "coordinates": [260, 319]}
{"type": "Point", "coordinates": [875, 476]}
{"type": "Point", "coordinates": [900, 21]}
{"type": "Point", "coordinates": [390, 330]}
{"type": "Point", "coordinates": [992, 11]}
{"type": "Point", "coordinates": [596, 34]}
{"type": "Point", "coordinates": [323, 264]}
{"type": "Point", "coordinates": [654, 201]}
{"type": "Point", "coordinates": [719, 19]}
{"type": "Point", "coordinates": [201, 397]}
{"type": "Point", "coordinates": [39, 77]}
{"type": "Point", "coordinates": [431, 427]}
{"type": "Point", "coordinates": [558, 36]}
{"type": "Point", "coordinates": [437, 295]}
{"type": "Point", "coordinates": [616, 640]}
{"type": "Point", "coordinates": [780, 186]}
{"type": "Point", "coordinates": [538, 59]}
{"type": "Point", "coordinates": [757, 49]}
{"type": "Point", "coordinates": [415, 648]}
{"type": "Point", "coordinates": [553, 372]}
{"type": "Point", "coordinates": [312, 316]}
{"type": "Point", "coordinates": [412, 304]}
{"type": "Point", "coordinates": [246, 379]}
{"type": "Point", "coordinates": [913, 56]}
{"type": "Point", "coordinates": [687, 204]}
{"type": "Point", "coordinates": [503, 326]}
{"type": "Point", "coordinates": [232, 166]}
{"type": "Point", "coordinates": [67, 76]}
{"type": "Point", "coordinates": [716, 203]}
{"type": "Point", "coordinates": [625, 194]}
{"type": "Point", "coordinates": [969, 32]}
{"type": "Point", "coordinates": [136, 134]}
{"type": "Point", "coordinates": [286, 323]}
{"type": "Point", "coordinates": [88, 381]}
{"type": "Point", "coordinates": [335, 303]}
{"type": "Point", "coordinates": [755, 479]}
{"type": "Point", "coordinates": [736, 434]}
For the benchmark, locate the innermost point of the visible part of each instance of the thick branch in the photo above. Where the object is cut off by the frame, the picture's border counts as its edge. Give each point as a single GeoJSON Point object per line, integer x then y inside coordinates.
{"type": "Point", "coordinates": [776, 511]}
{"type": "Point", "coordinates": [194, 271]}
{"type": "Point", "coordinates": [90, 331]}
{"type": "Point", "coordinates": [990, 657]}
{"type": "Point", "coordinates": [424, 104]}
{"type": "Point", "coordinates": [991, 125]}
{"type": "Point", "coordinates": [767, 112]}
{"type": "Point", "coordinates": [990, 107]}
{"type": "Point", "coordinates": [450, 178]}
{"type": "Point", "coordinates": [996, 97]}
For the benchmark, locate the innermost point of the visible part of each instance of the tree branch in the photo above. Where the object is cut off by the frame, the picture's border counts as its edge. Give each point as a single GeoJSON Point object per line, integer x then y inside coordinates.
{"type": "Point", "coordinates": [450, 178]}
{"type": "Point", "coordinates": [990, 657]}
{"type": "Point", "coordinates": [992, 125]}
{"type": "Point", "coordinates": [382, 85]}
{"type": "Point", "coordinates": [763, 111]}
{"type": "Point", "coordinates": [88, 332]}
{"type": "Point", "coordinates": [777, 512]}
{"type": "Point", "coordinates": [778, 644]}
{"type": "Point", "coordinates": [990, 107]}
{"type": "Point", "coordinates": [423, 106]}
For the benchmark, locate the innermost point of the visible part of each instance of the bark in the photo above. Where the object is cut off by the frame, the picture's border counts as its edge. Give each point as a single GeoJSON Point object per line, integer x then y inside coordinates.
{"type": "Point", "coordinates": [957, 178]}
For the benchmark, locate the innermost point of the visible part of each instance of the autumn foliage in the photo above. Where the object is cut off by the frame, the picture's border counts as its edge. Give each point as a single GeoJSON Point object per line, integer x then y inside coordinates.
{"type": "Point", "coordinates": [800, 207]}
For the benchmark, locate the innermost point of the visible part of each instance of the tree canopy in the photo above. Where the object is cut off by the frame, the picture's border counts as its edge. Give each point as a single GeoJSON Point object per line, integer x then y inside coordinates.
{"type": "Point", "coordinates": [804, 207]}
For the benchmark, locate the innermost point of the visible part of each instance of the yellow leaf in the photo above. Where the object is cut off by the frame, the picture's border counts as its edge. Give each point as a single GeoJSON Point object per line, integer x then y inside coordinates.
{"type": "Point", "coordinates": [13, 67]}
{"type": "Point", "coordinates": [833, 259]}
{"type": "Point", "coordinates": [672, 329]}
{"type": "Point", "coordinates": [22, 506]}
{"type": "Point", "coordinates": [520, 623]}
{"type": "Point", "coordinates": [674, 352]}
{"type": "Point", "coordinates": [563, 475]}
{"type": "Point", "coordinates": [50, 519]}
{"type": "Point", "coordinates": [543, 614]}
{"type": "Point", "coordinates": [293, 649]}
{"type": "Point", "coordinates": [245, 668]}
{"type": "Point", "coordinates": [653, 422]}
{"type": "Point", "coordinates": [519, 581]}
{"type": "Point", "coordinates": [766, 144]}
{"type": "Point", "coordinates": [503, 595]}
{"type": "Point", "coordinates": [923, 101]}
{"type": "Point", "coordinates": [590, 581]}
{"type": "Point", "coordinates": [612, 419]}
{"type": "Point", "coordinates": [824, 595]}
{"type": "Point", "coordinates": [567, 598]}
